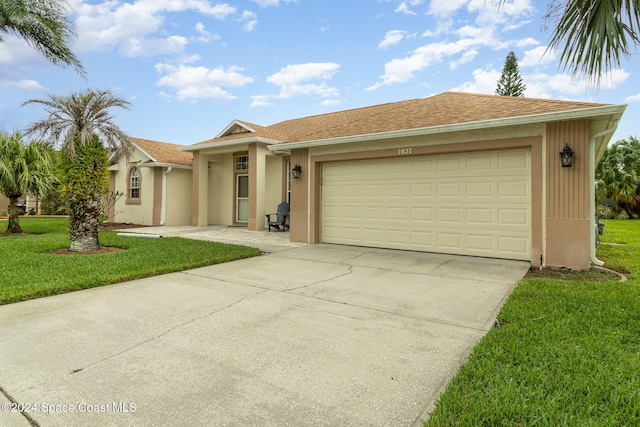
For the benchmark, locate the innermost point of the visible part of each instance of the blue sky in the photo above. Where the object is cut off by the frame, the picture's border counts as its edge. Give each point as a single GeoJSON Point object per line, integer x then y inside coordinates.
{"type": "Point", "coordinates": [190, 67]}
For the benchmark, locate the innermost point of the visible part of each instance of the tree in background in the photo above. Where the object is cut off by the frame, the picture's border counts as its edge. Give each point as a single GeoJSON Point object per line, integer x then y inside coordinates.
{"type": "Point", "coordinates": [510, 82]}
{"type": "Point", "coordinates": [24, 169]}
{"type": "Point", "coordinates": [44, 25]}
{"type": "Point", "coordinates": [82, 125]}
{"type": "Point", "coordinates": [618, 175]}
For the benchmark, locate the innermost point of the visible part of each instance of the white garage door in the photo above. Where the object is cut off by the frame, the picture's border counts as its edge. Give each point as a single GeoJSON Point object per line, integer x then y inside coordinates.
{"type": "Point", "coordinates": [469, 204]}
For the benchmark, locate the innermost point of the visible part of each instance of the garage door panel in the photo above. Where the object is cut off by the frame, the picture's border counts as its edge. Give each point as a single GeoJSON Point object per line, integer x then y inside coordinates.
{"type": "Point", "coordinates": [482, 189]}
{"type": "Point", "coordinates": [449, 189]}
{"type": "Point", "coordinates": [474, 204]}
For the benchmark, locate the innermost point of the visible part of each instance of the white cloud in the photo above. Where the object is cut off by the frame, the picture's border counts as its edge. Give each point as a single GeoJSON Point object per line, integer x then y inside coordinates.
{"type": "Point", "coordinates": [444, 8]}
{"type": "Point", "coordinates": [15, 53]}
{"type": "Point", "coordinates": [260, 101]}
{"type": "Point", "coordinates": [467, 57]}
{"type": "Point", "coordinates": [249, 19]}
{"type": "Point", "coordinates": [537, 56]}
{"type": "Point", "coordinates": [633, 98]}
{"type": "Point", "coordinates": [205, 36]}
{"type": "Point", "coordinates": [529, 41]}
{"type": "Point", "coordinates": [192, 83]}
{"type": "Point", "coordinates": [489, 23]}
{"type": "Point", "coordinates": [392, 38]}
{"type": "Point", "coordinates": [111, 24]}
{"type": "Point", "coordinates": [403, 70]}
{"type": "Point", "coordinates": [141, 47]}
{"type": "Point", "coordinates": [485, 80]}
{"type": "Point", "coordinates": [403, 7]}
{"type": "Point", "coordinates": [271, 3]}
{"type": "Point", "coordinates": [294, 79]}
{"type": "Point", "coordinates": [509, 15]}
{"type": "Point", "coordinates": [25, 84]}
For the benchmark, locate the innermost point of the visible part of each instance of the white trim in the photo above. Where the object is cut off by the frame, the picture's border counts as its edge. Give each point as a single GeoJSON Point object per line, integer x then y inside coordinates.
{"type": "Point", "coordinates": [232, 124]}
{"type": "Point", "coordinates": [457, 127]}
{"type": "Point", "coordinates": [224, 144]}
{"type": "Point", "coordinates": [144, 152]}
{"type": "Point", "coordinates": [164, 165]}
{"type": "Point", "coordinates": [592, 189]}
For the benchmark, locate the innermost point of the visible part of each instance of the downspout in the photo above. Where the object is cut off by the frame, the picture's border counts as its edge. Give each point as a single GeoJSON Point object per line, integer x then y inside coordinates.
{"type": "Point", "coordinates": [163, 210]}
{"type": "Point", "coordinates": [592, 190]}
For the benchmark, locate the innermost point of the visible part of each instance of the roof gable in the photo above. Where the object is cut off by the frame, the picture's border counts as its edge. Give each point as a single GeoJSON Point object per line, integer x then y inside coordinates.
{"type": "Point", "coordinates": [237, 127]}
{"type": "Point", "coordinates": [163, 152]}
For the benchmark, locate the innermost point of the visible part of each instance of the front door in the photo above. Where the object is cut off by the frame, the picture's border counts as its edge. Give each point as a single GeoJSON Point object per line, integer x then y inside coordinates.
{"type": "Point", "coordinates": [242, 198]}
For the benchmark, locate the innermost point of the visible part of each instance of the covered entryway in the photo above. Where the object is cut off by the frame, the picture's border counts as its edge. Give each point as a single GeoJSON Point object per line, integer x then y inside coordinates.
{"type": "Point", "coordinates": [475, 203]}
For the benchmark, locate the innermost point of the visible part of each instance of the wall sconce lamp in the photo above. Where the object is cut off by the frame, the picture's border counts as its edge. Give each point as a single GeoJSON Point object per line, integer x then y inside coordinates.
{"type": "Point", "coordinates": [296, 171]}
{"type": "Point", "coordinates": [566, 156]}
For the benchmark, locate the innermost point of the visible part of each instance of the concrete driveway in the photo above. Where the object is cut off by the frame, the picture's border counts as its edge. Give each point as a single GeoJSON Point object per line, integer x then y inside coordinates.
{"type": "Point", "coordinates": [316, 335]}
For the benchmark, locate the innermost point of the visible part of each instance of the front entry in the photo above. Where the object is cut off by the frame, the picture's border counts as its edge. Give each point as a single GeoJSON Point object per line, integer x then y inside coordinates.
{"type": "Point", "coordinates": [242, 198]}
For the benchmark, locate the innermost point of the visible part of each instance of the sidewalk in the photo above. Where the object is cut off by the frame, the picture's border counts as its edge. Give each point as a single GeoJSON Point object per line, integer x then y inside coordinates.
{"type": "Point", "coordinates": [266, 241]}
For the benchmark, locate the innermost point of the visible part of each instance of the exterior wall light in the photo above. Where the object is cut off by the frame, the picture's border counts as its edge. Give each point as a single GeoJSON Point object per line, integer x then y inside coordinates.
{"type": "Point", "coordinates": [566, 156]}
{"type": "Point", "coordinates": [296, 171]}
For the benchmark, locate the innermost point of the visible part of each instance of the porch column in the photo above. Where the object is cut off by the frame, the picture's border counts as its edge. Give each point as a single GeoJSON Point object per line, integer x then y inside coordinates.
{"type": "Point", "coordinates": [257, 186]}
{"type": "Point", "coordinates": [199, 192]}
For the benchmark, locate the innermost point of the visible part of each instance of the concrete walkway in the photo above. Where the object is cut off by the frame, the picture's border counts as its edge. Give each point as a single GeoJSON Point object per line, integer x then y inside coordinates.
{"type": "Point", "coordinates": [305, 336]}
{"type": "Point", "coordinates": [266, 241]}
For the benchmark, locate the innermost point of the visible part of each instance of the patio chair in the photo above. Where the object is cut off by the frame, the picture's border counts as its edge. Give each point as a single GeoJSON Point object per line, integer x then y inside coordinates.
{"type": "Point", "coordinates": [281, 217]}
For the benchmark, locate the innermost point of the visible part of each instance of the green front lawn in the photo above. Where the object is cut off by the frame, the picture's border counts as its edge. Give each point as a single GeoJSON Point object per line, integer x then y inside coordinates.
{"type": "Point", "coordinates": [29, 269]}
{"type": "Point", "coordinates": [567, 352]}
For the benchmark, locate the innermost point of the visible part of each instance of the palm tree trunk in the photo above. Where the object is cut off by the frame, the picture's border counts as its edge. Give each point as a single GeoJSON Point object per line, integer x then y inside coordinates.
{"type": "Point", "coordinates": [84, 226]}
{"type": "Point", "coordinates": [13, 227]}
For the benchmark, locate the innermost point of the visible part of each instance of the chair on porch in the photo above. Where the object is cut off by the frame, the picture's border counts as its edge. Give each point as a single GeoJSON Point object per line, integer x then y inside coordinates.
{"type": "Point", "coordinates": [280, 217]}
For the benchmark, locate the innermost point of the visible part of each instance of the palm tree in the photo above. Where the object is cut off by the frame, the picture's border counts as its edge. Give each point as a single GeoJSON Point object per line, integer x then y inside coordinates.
{"type": "Point", "coordinates": [24, 169]}
{"type": "Point", "coordinates": [618, 175]}
{"type": "Point", "coordinates": [593, 35]}
{"type": "Point", "coordinates": [44, 25]}
{"type": "Point", "coordinates": [82, 125]}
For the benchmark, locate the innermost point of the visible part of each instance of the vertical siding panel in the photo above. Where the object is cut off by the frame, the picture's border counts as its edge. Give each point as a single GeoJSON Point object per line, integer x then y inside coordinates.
{"type": "Point", "coordinates": [568, 188]}
{"type": "Point", "coordinates": [299, 208]}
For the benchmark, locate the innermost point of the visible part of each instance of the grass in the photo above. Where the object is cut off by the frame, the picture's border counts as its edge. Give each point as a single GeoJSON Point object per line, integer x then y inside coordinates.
{"type": "Point", "coordinates": [567, 352]}
{"type": "Point", "coordinates": [31, 270]}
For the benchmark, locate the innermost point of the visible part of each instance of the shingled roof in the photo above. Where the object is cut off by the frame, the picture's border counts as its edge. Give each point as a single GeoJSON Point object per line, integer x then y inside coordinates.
{"type": "Point", "coordinates": [447, 108]}
{"type": "Point", "coordinates": [164, 152]}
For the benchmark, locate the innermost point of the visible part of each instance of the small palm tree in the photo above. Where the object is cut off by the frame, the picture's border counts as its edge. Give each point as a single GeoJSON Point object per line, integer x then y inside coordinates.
{"type": "Point", "coordinates": [44, 25]}
{"type": "Point", "coordinates": [24, 169]}
{"type": "Point", "coordinates": [80, 123]}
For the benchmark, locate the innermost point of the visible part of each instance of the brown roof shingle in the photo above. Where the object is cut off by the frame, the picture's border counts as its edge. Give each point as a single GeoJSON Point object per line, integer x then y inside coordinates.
{"type": "Point", "coordinates": [164, 152]}
{"type": "Point", "coordinates": [444, 109]}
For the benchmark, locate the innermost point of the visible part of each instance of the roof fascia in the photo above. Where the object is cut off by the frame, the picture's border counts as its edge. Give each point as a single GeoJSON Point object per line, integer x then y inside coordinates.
{"type": "Point", "coordinates": [612, 110]}
{"type": "Point", "coordinates": [153, 159]}
{"type": "Point", "coordinates": [232, 124]}
{"type": "Point", "coordinates": [165, 165]}
{"type": "Point", "coordinates": [242, 141]}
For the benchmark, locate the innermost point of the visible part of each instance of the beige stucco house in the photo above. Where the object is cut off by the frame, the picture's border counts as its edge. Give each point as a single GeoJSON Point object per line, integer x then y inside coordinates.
{"type": "Point", "coordinates": [452, 173]}
{"type": "Point", "coordinates": [155, 183]}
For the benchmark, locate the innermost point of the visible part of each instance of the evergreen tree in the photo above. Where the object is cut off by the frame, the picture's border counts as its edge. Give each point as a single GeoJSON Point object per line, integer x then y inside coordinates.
{"type": "Point", "coordinates": [510, 83]}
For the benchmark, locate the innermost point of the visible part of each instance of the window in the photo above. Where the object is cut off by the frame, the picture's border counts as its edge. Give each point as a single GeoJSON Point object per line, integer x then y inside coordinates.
{"type": "Point", "coordinates": [134, 183]}
{"type": "Point", "coordinates": [242, 163]}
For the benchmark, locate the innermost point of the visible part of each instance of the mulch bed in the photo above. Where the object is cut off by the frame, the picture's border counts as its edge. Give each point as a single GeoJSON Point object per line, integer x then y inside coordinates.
{"type": "Point", "coordinates": [567, 274]}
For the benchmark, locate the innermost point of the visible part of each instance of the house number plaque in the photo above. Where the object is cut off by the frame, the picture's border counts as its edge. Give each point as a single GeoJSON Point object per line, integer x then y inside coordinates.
{"type": "Point", "coordinates": [404, 151]}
